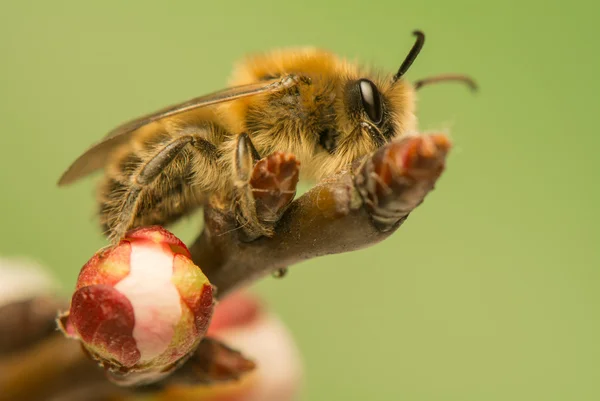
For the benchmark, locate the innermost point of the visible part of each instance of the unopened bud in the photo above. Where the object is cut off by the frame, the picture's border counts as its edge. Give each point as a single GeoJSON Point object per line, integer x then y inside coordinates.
{"type": "Point", "coordinates": [140, 306]}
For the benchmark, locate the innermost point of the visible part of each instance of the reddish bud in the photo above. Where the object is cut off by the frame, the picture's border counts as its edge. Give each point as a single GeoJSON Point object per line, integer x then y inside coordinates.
{"type": "Point", "coordinates": [141, 305]}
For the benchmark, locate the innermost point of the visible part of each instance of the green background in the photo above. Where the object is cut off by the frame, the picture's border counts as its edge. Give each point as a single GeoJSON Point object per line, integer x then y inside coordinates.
{"type": "Point", "coordinates": [490, 289]}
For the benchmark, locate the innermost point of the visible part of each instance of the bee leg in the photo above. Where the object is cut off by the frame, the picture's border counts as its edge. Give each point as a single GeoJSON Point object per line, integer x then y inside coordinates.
{"type": "Point", "coordinates": [245, 158]}
{"type": "Point", "coordinates": [264, 188]}
{"type": "Point", "coordinates": [147, 175]}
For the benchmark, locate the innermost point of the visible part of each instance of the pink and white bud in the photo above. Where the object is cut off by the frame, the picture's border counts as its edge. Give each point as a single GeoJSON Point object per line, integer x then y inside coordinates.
{"type": "Point", "coordinates": [141, 305]}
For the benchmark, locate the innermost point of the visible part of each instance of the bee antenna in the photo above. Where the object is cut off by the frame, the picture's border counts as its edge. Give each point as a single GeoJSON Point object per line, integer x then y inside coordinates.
{"type": "Point", "coordinates": [412, 55]}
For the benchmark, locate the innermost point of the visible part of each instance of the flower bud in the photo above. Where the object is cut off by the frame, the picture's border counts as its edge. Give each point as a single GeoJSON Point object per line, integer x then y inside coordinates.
{"type": "Point", "coordinates": [140, 306]}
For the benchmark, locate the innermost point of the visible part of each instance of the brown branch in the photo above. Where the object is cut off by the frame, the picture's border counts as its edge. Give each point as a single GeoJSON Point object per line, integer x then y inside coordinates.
{"type": "Point", "coordinates": [50, 366]}
{"type": "Point", "coordinates": [351, 210]}
{"type": "Point", "coordinates": [25, 322]}
{"type": "Point", "coordinates": [56, 369]}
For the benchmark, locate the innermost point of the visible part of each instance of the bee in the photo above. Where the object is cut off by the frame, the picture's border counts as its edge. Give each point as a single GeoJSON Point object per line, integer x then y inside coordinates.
{"type": "Point", "coordinates": [309, 102]}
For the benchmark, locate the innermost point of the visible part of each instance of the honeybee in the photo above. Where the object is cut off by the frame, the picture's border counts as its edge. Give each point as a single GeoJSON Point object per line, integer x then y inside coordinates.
{"type": "Point", "coordinates": [308, 102]}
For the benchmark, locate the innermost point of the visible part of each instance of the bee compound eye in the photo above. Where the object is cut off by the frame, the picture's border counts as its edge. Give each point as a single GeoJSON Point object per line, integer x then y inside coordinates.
{"type": "Point", "coordinates": [371, 100]}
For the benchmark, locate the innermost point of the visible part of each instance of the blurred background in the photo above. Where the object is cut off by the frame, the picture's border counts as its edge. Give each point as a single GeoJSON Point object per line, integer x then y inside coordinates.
{"type": "Point", "coordinates": [490, 289]}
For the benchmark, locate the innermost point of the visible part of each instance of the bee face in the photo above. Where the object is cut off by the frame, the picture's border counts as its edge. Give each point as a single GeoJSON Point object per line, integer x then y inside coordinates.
{"type": "Point", "coordinates": [373, 111]}
{"type": "Point", "coordinates": [381, 111]}
{"type": "Point", "coordinates": [377, 110]}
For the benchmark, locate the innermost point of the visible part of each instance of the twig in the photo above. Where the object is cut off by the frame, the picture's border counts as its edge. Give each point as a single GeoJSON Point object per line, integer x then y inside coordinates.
{"type": "Point", "coordinates": [351, 210]}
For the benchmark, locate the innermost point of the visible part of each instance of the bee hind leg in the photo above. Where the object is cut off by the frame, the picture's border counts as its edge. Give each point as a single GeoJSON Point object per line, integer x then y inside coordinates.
{"type": "Point", "coordinates": [160, 190]}
{"type": "Point", "coordinates": [264, 188]}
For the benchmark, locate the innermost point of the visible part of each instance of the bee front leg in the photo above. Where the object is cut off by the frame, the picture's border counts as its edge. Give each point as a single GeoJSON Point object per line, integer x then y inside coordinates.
{"type": "Point", "coordinates": [264, 188]}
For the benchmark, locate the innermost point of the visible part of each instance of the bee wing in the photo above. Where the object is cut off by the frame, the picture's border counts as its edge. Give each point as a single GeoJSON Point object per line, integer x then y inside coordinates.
{"type": "Point", "coordinates": [95, 158]}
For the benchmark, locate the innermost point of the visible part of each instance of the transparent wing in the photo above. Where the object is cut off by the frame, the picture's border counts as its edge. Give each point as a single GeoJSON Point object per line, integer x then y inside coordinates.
{"type": "Point", "coordinates": [95, 157]}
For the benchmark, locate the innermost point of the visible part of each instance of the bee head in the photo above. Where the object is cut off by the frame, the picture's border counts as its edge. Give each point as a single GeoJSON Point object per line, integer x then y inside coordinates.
{"type": "Point", "coordinates": [383, 108]}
